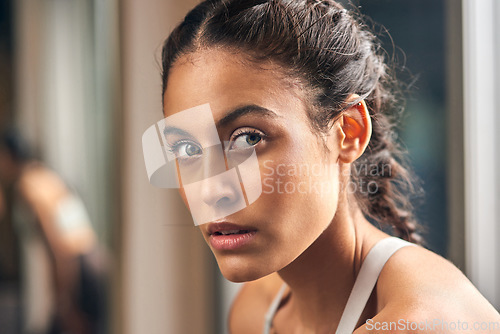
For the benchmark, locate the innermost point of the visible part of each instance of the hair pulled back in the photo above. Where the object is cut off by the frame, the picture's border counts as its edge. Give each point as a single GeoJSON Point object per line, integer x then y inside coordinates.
{"type": "Point", "coordinates": [321, 44]}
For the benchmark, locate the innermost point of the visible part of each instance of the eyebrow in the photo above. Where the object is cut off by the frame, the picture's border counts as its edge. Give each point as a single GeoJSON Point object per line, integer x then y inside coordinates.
{"type": "Point", "coordinates": [172, 130]}
{"type": "Point", "coordinates": [230, 117]}
{"type": "Point", "coordinates": [233, 115]}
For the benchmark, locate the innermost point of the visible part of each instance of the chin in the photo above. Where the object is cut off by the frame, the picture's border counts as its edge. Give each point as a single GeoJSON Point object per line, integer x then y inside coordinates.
{"type": "Point", "coordinates": [240, 271]}
{"type": "Point", "coordinates": [236, 277]}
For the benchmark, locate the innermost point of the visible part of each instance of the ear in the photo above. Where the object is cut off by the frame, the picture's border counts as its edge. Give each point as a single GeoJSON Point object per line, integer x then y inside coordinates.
{"type": "Point", "coordinates": [355, 128]}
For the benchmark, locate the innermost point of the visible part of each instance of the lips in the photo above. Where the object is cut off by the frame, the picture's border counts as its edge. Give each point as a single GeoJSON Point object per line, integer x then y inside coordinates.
{"type": "Point", "coordinates": [224, 228]}
{"type": "Point", "coordinates": [231, 232]}
{"type": "Point", "coordinates": [228, 236]}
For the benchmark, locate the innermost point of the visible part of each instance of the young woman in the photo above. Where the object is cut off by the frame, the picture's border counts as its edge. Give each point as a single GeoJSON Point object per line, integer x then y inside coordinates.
{"type": "Point", "coordinates": [305, 85]}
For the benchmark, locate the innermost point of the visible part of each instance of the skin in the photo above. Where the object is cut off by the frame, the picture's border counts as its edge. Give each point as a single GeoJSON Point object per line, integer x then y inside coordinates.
{"type": "Point", "coordinates": [314, 242]}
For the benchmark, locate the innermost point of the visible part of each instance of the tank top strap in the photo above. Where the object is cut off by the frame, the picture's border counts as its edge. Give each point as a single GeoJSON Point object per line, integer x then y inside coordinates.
{"type": "Point", "coordinates": [366, 280]}
{"type": "Point", "coordinates": [363, 286]}
{"type": "Point", "coordinates": [268, 320]}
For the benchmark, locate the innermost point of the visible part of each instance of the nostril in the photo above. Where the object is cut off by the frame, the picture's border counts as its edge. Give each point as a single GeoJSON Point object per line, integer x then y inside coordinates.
{"type": "Point", "coordinates": [224, 201]}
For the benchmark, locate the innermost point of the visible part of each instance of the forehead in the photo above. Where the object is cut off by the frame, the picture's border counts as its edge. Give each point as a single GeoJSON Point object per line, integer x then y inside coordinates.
{"type": "Point", "coordinates": [226, 80]}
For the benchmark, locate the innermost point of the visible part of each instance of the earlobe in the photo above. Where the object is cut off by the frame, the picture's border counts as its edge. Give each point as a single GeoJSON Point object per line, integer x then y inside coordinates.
{"type": "Point", "coordinates": [355, 125]}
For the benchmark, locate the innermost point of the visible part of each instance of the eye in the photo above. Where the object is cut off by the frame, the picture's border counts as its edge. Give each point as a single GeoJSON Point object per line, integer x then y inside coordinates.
{"type": "Point", "coordinates": [185, 149]}
{"type": "Point", "coordinates": [253, 138]}
{"type": "Point", "coordinates": [245, 138]}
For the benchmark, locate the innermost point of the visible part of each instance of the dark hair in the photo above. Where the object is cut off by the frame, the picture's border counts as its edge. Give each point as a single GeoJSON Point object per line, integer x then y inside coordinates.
{"type": "Point", "coordinates": [13, 143]}
{"type": "Point", "coordinates": [320, 43]}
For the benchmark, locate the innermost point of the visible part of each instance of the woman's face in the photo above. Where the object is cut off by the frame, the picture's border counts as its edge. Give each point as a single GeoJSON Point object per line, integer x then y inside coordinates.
{"type": "Point", "coordinates": [299, 176]}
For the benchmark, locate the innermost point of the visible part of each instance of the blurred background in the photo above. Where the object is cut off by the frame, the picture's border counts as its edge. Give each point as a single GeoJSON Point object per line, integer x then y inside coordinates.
{"type": "Point", "coordinates": [80, 83]}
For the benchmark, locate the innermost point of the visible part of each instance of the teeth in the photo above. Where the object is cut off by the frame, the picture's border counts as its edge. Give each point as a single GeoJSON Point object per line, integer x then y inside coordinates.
{"type": "Point", "coordinates": [229, 232]}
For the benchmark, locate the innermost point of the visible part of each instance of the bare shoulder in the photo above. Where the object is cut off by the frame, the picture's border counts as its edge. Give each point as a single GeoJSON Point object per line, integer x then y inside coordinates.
{"type": "Point", "coordinates": [421, 292]}
{"type": "Point", "coordinates": [251, 304]}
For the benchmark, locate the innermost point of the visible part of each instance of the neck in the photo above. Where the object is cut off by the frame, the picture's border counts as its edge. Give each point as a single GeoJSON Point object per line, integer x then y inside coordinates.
{"type": "Point", "coordinates": [322, 277]}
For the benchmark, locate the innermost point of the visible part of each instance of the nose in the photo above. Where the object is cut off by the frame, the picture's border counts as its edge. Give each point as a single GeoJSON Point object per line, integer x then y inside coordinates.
{"type": "Point", "coordinates": [220, 187]}
{"type": "Point", "coordinates": [213, 162]}
{"type": "Point", "coordinates": [216, 192]}
{"type": "Point", "coordinates": [222, 191]}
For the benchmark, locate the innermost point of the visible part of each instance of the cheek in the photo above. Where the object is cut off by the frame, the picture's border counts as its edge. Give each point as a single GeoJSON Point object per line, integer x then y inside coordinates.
{"type": "Point", "coordinates": [302, 196]}
{"type": "Point", "coordinates": [302, 181]}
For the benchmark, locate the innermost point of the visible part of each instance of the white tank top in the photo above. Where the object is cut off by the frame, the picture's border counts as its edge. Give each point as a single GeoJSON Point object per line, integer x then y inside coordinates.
{"type": "Point", "coordinates": [362, 289]}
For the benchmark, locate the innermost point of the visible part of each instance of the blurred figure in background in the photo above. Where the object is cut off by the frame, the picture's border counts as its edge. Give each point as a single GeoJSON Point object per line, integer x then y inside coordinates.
{"type": "Point", "coordinates": [9, 253]}
{"type": "Point", "coordinates": [50, 260]}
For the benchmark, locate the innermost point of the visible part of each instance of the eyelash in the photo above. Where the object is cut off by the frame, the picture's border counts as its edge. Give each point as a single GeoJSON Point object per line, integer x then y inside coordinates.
{"type": "Point", "coordinates": [173, 148]}
{"type": "Point", "coordinates": [245, 131]}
